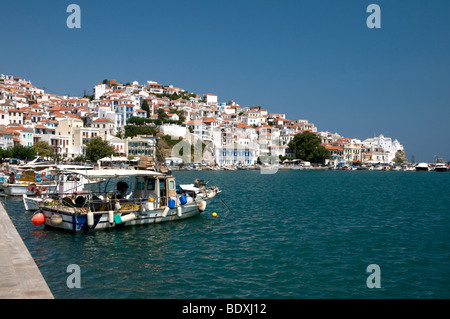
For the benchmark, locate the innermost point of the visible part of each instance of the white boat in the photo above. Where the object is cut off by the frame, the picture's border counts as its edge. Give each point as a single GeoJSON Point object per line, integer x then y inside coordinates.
{"type": "Point", "coordinates": [20, 188]}
{"type": "Point", "coordinates": [3, 178]}
{"type": "Point", "coordinates": [67, 183]}
{"type": "Point", "coordinates": [27, 184]}
{"type": "Point", "coordinates": [155, 199]}
{"type": "Point", "coordinates": [31, 203]}
{"type": "Point", "coordinates": [422, 167]}
{"type": "Point", "coordinates": [441, 167]}
{"type": "Point", "coordinates": [39, 164]}
{"type": "Point", "coordinates": [199, 190]}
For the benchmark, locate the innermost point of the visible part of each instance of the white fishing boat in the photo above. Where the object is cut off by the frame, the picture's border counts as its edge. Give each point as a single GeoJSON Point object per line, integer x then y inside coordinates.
{"type": "Point", "coordinates": [154, 200]}
{"type": "Point", "coordinates": [67, 183]}
{"type": "Point", "coordinates": [27, 184]}
{"type": "Point", "coordinates": [31, 203]}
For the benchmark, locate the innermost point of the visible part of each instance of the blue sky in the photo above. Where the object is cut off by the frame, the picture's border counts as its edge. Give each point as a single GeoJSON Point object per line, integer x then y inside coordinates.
{"type": "Point", "coordinates": [314, 60]}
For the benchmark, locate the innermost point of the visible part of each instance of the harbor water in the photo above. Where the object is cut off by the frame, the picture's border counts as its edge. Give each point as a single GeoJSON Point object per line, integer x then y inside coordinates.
{"type": "Point", "coordinates": [293, 234]}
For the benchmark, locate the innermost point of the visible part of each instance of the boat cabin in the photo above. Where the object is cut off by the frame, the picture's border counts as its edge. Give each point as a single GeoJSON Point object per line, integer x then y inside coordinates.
{"type": "Point", "coordinates": [159, 187]}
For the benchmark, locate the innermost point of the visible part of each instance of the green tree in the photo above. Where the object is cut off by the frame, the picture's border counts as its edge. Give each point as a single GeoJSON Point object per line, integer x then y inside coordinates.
{"type": "Point", "coordinates": [5, 153]}
{"type": "Point", "coordinates": [133, 130]}
{"type": "Point", "coordinates": [23, 152]}
{"type": "Point", "coordinates": [97, 148]}
{"type": "Point", "coordinates": [42, 148]}
{"type": "Point", "coordinates": [162, 115]}
{"type": "Point", "coordinates": [145, 107]}
{"type": "Point", "coordinates": [174, 96]}
{"type": "Point", "coordinates": [307, 147]}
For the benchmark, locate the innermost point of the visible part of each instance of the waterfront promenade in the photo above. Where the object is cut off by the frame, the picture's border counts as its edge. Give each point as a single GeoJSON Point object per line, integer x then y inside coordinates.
{"type": "Point", "coordinates": [20, 277]}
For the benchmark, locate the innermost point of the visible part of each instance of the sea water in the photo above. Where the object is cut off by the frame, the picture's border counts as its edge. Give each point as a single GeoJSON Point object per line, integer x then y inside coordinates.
{"type": "Point", "coordinates": [293, 234]}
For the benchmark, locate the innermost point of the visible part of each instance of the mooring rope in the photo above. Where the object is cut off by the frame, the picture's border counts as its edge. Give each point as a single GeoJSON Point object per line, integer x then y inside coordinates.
{"type": "Point", "coordinates": [223, 202]}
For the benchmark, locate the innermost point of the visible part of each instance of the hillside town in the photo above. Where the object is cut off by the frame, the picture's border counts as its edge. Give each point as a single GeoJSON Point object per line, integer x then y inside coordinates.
{"type": "Point", "coordinates": [233, 134]}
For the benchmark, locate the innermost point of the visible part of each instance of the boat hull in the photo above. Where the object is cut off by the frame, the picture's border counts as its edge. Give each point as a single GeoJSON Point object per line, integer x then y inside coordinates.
{"type": "Point", "coordinates": [78, 222]}
{"type": "Point", "coordinates": [21, 189]}
{"type": "Point", "coordinates": [441, 168]}
{"type": "Point", "coordinates": [31, 203]}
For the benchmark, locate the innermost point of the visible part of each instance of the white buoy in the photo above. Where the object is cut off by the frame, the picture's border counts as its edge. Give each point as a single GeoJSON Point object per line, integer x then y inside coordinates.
{"type": "Point", "coordinates": [111, 217]}
{"type": "Point", "coordinates": [202, 206]}
{"type": "Point", "coordinates": [90, 219]}
{"type": "Point", "coordinates": [123, 219]}
{"type": "Point", "coordinates": [56, 219]}
{"type": "Point", "coordinates": [117, 205]}
{"type": "Point", "coordinates": [128, 217]}
{"type": "Point", "coordinates": [166, 210]}
{"type": "Point", "coordinates": [179, 211]}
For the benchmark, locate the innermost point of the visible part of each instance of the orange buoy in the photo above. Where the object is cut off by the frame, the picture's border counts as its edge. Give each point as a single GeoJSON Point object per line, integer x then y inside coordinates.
{"type": "Point", "coordinates": [38, 219]}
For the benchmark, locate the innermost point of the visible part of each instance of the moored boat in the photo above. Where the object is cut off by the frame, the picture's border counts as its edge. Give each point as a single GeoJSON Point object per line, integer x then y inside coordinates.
{"type": "Point", "coordinates": [66, 183]}
{"type": "Point", "coordinates": [422, 167]}
{"type": "Point", "coordinates": [441, 167]}
{"type": "Point", "coordinates": [31, 203]}
{"type": "Point", "coordinates": [27, 184]}
{"type": "Point", "coordinates": [154, 200]}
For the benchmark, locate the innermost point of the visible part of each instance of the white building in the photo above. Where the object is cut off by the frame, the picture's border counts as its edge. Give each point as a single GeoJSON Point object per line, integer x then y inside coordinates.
{"type": "Point", "coordinates": [99, 90]}
{"type": "Point", "coordinates": [235, 154]}
{"type": "Point", "coordinates": [173, 130]}
{"type": "Point", "coordinates": [210, 99]}
{"type": "Point", "coordinates": [390, 148]}
{"type": "Point", "coordinates": [106, 127]}
{"type": "Point", "coordinates": [4, 118]}
{"type": "Point", "coordinates": [15, 116]}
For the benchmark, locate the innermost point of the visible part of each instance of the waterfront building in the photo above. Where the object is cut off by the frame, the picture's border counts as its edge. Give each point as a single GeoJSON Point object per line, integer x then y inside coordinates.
{"type": "Point", "coordinates": [337, 154]}
{"type": "Point", "coordinates": [235, 154]}
{"type": "Point", "coordinates": [120, 145]}
{"type": "Point", "coordinates": [142, 145]}
{"type": "Point", "coordinates": [384, 148]}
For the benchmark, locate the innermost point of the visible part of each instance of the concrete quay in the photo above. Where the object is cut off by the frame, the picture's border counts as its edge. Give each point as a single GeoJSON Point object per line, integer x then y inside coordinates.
{"type": "Point", "coordinates": [20, 278]}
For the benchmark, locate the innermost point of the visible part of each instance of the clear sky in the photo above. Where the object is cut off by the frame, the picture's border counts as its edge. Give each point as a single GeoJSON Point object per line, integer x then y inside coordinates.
{"type": "Point", "coordinates": [311, 59]}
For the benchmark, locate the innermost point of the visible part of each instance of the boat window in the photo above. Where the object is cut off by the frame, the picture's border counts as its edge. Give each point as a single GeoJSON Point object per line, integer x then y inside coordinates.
{"type": "Point", "coordinates": [171, 184]}
{"type": "Point", "coordinates": [140, 183]}
{"type": "Point", "coordinates": [151, 184]}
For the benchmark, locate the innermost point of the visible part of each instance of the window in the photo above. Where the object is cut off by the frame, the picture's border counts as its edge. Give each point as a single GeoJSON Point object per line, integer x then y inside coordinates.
{"type": "Point", "coordinates": [140, 183]}
{"type": "Point", "coordinates": [171, 184]}
{"type": "Point", "coordinates": [151, 185]}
